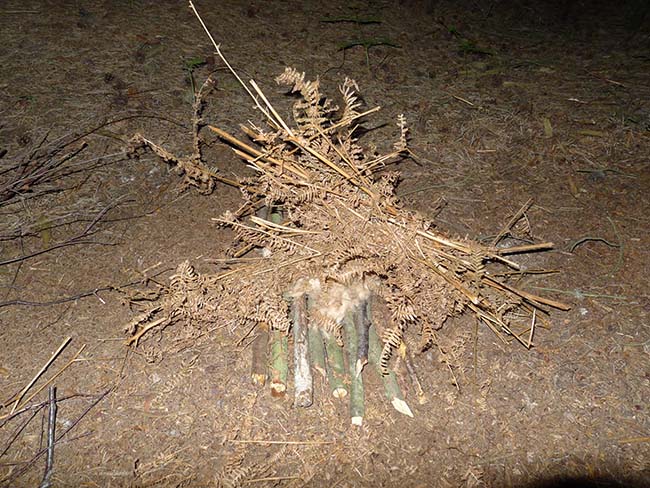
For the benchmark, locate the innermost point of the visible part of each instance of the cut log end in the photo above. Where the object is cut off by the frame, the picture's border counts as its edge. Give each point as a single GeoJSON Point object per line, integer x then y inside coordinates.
{"type": "Point", "coordinates": [303, 399]}
{"type": "Point", "coordinates": [258, 379]}
{"type": "Point", "coordinates": [339, 392]}
{"type": "Point", "coordinates": [278, 390]}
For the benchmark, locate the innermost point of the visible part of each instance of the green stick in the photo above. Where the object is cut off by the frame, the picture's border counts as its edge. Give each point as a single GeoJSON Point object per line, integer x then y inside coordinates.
{"type": "Point", "coordinates": [357, 406]}
{"type": "Point", "coordinates": [260, 358]}
{"type": "Point", "coordinates": [391, 387]}
{"type": "Point", "coordinates": [279, 366]}
{"type": "Point", "coordinates": [316, 350]}
{"type": "Point", "coordinates": [335, 366]}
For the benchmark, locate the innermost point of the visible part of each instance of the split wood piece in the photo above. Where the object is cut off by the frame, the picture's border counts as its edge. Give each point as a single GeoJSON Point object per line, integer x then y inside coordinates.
{"type": "Point", "coordinates": [260, 358]}
{"type": "Point", "coordinates": [357, 405]}
{"type": "Point", "coordinates": [302, 372]}
{"type": "Point", "coordinates": [279, 364]}
{"type": "Point", "coordinates": [335, 365]}
{"type": "Point", "coordinates": [391, 387]}
{"type": "Point", "coordinates": [362, 323]}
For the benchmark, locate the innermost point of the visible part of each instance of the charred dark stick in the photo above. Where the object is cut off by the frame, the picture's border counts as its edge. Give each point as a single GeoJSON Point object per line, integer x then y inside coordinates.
{"type": "Point", "coordinates": [302, 372]}
{"type": "Point", "coordinates": [260, 345]}
{"type": "Point", "coordinates": [362, 322]}
{"type": "Point", "coordinates": [51, 432]}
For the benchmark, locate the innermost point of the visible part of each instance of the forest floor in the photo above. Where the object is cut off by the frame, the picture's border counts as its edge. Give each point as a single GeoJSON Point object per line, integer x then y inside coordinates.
{"type": "Point", "coordinates": [505, 102]}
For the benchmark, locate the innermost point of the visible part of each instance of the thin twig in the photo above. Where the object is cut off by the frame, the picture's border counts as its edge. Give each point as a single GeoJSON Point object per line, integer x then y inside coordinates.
{"type": "Point", "coordinates": [37, 406]}
{"type": "Point", "coordinates": [534, 299]}
{"type": "Point", "coordinates": [73, 298]}
{"type": "Point", "coordinates": [261, 231]}
{"type": "Point", "coordinates": [542, 246]}
{"type": "Point", "coordinates": [532, 328]}
{"type": "Point", "coordinates": [70, 242]}
{"type": "Point", "coordinates": [582, 240]}
{"type": "Point", "coordinates": [515, 218]}
{"type": "Point", "coordinates": [278, 118]}
{"type": "Point", "coordinates": [279, 227]}
{"type": "Point", "coordinates": [217, 48]}
{"type": "Point", "coordinates": [28, 465]}
{"type": "Point", "coordinates": [20, 429]}
{"type": "Point", "coordinates": [74, 241]}
{"type": "Point", "coordinates": [135, 338]}
{"type": "Point", "coordinates": [248, 152]}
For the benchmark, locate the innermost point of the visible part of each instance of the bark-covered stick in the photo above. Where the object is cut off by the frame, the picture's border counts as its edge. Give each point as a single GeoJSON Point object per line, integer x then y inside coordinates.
{"type": "Point", "coordinates": [335, 366]}
{"type": "Point", "coordinates": [391, 386]}
{"type": "Point", "coordinates": [279, 366]}
{"type": "Point", "coordinates": [260, 348]}
{"type": "Point", "coordinates": [362, 323]}
{"type": "Point", "coordinates": [302, 372]}
{"type": "Point", "coordinates": [357, 406]}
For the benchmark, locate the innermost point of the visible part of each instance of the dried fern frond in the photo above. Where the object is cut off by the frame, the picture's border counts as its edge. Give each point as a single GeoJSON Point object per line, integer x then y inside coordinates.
{"type": "Point", "coordinates": [312, 112]}
{"type": "Point", "coordinates": [351, 103]}
{"type": "Point", "coordinates": [194, 172]}
{"type": "Point", "coordinates": [401, 144]}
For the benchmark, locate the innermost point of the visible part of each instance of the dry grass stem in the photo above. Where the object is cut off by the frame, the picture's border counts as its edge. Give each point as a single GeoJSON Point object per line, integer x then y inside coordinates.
{"type": "Point", "coordinates": [49, 382]}
{"type": "Point", "coordinates": [56, 353]}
